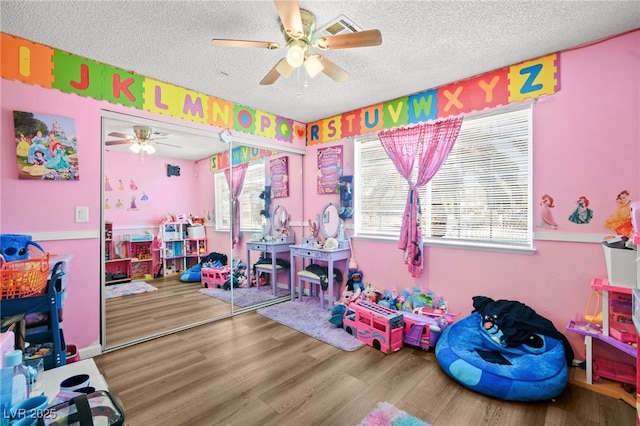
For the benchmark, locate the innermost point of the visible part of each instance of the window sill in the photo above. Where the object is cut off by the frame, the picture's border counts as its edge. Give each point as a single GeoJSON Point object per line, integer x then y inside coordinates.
{"type": "Point", "coordinates": [432, 242]}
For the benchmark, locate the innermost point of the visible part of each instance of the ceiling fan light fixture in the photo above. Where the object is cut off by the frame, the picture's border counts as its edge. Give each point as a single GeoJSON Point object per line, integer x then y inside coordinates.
{"type": "Point", "coordinates": [149, 148]}
{"type": "Point", "coordinates": [283, 68]}
{"type": "Point", "coordinates": [135, 147]}
{"type": "Point", "coordinates": [313, 65]}
{"type": "Point", "coordinates": [296, 53]}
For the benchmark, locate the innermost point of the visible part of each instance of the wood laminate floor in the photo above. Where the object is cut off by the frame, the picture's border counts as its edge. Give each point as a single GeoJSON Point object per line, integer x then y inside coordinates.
{"type": "Point", "coordinates": [175, 304]}
{"type": "Point", "coordinates": [249, 370]}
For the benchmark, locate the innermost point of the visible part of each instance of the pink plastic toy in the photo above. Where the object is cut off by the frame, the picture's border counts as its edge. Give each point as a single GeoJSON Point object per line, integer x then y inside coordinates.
{"type": "Point", "coordinates": [214, 277]}
{"type": "Point", "coordinates": [375, 325]}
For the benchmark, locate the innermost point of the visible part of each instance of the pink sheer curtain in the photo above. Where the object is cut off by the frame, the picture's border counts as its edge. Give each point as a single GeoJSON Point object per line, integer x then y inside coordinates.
{"type": "Point", "coordinates": [433, 143]}
{"type": "Point", "coordinates": [235, 184]}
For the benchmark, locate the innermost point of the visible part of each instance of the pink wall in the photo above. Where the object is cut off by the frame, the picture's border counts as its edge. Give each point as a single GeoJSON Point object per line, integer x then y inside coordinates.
{"type": "Point", "coordinates": [586, 141]}
{"type": "Point", "coordinates": [173, 195]}
{"type": "Point", "coordinates": [47, 208]}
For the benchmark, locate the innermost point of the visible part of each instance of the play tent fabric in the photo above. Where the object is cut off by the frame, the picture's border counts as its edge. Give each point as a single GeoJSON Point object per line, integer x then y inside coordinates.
{"type": "Point", "coordinates": [473, 352]}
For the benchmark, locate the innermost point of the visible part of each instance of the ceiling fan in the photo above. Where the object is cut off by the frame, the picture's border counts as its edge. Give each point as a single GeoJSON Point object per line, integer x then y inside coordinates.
{"type": "Point", "coordinates": [141, 140]}
{"type": "Point", "coordinates": [298, 27]}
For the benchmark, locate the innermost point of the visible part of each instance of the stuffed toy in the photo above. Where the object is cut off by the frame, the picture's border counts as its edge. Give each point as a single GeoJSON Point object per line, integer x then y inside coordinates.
{"type": "Point", "coordinates": [238, 279]}
{"type": "Point", "coordinates": [355, 280]}
{"type": "Point", "coordinates": [266, 196]}
{"type": "Point", "coordinates": [16, 246]}
{"type": "Point", "coordinates": [371, 293]}
{"type": "Point", "coordinates": [337, 311]}
{"type": "Point", "coordinates": [388, 299]}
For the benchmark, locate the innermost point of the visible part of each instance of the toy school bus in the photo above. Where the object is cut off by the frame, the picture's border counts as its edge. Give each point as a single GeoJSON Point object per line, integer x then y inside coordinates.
{"type": "Point", "coordinates": [423, 331]}
{"type": "Point", "coordinates": [375, 325]}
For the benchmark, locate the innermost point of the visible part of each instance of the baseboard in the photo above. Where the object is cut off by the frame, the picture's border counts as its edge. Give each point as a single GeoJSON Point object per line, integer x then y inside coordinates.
{"type": "Point", "coordinates": [90, 351]}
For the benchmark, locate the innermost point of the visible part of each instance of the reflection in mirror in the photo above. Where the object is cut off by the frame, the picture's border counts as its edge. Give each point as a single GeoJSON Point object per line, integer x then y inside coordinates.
{"type": "Point", "coordinates": [152, 246]}
{"type": "Point", "coordinates": [329, 221]}
{"type": "Point", "coordinates": [264, 246]}
{"type": "Point", "coordinates": [280, 221]}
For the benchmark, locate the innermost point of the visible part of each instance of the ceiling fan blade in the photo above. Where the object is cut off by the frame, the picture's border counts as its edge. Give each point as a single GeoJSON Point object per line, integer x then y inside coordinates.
{"type": "Point", "coordinates": [332, 70]}
{"type": "Point", "coordinates": [345, 41]}
{"type": "Point", "coordinates": [271, 76]}
{"type": "Point", "coordinates": [289, 12]}
{"type": "Point", "coordinates": [120, 142]}
{"type": "Point", "coordinates": [120, 135]}
{"type": "Point", "coordinates": [245, 43]}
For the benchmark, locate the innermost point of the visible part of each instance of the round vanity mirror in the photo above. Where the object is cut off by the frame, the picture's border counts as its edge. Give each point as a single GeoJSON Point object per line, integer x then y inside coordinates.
{"type": "Point", "coordinates": [329, 221]}
{"type": "Point", "coordinates": [280, 219]}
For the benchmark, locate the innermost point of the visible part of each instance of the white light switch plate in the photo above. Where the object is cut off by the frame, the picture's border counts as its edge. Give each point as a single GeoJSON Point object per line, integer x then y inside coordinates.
{"type": "Point", "coordinates": [82, 214]}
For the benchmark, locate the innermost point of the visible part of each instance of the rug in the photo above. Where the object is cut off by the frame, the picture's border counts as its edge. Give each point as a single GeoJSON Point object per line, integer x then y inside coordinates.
{"type": "Point", "coordinates": [134, 287]}
{"type": "Point", "coordinates": [387, 414]}
{"type": "Point", "coordinates": [244, 297]}
{"type": "Point", "coordinates": [307, 317]}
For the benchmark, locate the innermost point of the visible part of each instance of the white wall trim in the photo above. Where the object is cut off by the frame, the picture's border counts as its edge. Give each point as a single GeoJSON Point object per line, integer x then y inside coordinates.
{"type": "Point", "coordinates": [90, 351]}
{"type": "Point", "coordinates": [569, 237]}
{"type": "Point", "coordinates": [66, 235]}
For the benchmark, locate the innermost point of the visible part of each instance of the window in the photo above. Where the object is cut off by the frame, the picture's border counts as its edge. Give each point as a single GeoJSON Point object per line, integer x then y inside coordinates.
{"type": "Point", "coordinates": [250, 202]}
{"type": "Point", "coordinates": [481, 195]}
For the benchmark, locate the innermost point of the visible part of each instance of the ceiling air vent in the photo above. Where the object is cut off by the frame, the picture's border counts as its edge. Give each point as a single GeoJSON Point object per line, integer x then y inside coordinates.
{"type": "Point", "coordinates": [340, 25]}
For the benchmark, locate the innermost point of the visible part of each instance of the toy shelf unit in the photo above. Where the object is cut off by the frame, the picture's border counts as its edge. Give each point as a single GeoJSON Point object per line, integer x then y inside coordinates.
{"type": "Point", "coordinates": [140, 249]}
{"type": "Point", "coordinates": [117, 264]}
{"type": "Point", "coordinates": [617, 331]}
{"type": "Point", "coordinates": [195, 249]}
{"type": "Point", "coordinates": [173, 248]}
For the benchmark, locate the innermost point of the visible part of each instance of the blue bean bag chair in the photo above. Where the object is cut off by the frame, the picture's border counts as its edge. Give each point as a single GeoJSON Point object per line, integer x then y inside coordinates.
{"type": "Point", "coordinates": [192, 274]}
{"type": "Point", "coordinates": [477, 353]}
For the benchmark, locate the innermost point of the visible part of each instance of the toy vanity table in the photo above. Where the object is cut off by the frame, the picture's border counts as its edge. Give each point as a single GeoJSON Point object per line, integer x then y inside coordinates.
{"type": "Point", "coordinates": [276, 238]}
{"type": "Point", "coordinates": [330, 226]}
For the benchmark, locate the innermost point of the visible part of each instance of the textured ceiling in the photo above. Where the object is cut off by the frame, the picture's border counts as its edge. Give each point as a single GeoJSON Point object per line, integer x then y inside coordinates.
{"type": "Point", "coordinates": [425, 43]}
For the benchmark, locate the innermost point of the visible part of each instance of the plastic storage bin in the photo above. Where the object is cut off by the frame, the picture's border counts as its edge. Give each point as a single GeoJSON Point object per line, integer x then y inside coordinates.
{"type": "Point", "coordinates": [621, 266]}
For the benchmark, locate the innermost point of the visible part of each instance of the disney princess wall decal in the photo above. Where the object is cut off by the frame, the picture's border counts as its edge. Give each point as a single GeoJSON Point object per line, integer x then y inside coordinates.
{"type": "Point", "coordinates": [622, 214]}
{"type": "Point", "coordinates": [582, 214]}
{"type": "Point", "coordinates": [133, 185]}
{"type": "Point", "coordinates": [107, 206]}
{"type": "Point", "coordinates": [119, 204]}
{"type": "Point", "coordinates": [133, 205]}
{"type": "Point", "coordinates": [144, 197]}
{"type": "Point", "coordinates": [107, 184]}
{"type": "Point", "coordinates": [546, 216]}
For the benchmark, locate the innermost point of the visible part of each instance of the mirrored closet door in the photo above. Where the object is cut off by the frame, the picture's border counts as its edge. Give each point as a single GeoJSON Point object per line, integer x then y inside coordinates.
{"type": "Point", "coordinates": [270, 214]}
{"type": "Point", "coordinates": [167, 224]}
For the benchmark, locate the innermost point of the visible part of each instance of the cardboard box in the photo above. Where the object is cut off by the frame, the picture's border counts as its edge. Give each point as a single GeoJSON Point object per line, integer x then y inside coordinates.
{"type": "Point", "coordinates": [621, 266]}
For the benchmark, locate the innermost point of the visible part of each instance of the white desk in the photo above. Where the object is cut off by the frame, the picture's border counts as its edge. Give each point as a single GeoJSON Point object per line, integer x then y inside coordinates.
{"type": "Point", "coordinates": [54, 376]}
{"type": "Point", "coordinates": [272, 249]}
{"type": "Point", "coordinates": [312, 253]}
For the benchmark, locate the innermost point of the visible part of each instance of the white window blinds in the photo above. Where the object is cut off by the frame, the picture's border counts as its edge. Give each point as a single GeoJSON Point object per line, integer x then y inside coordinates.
{"type": "Point", "coordinates": [480, 195]}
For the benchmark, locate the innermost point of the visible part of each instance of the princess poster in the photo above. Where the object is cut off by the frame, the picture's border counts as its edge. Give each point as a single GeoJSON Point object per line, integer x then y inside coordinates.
{"type": "Point", "coordinates": [279, 169]}
{"type": "Point", "coordinates": [46, 146]}
{"type": "Point", "coordinates": [329, 169]}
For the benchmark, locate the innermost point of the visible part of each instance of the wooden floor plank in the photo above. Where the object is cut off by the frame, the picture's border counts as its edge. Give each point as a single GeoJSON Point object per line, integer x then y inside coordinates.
{"type": "Point", "coordinates": [248, 370]}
